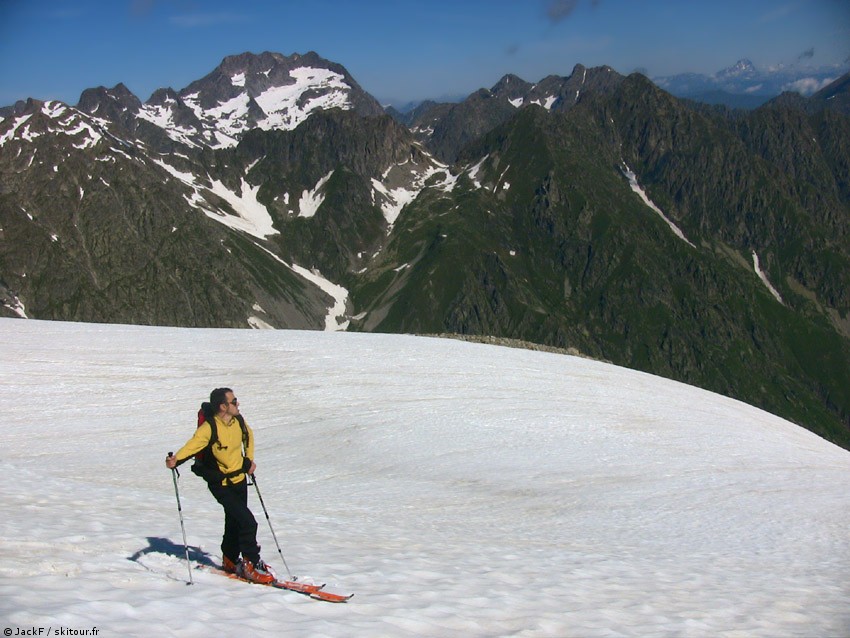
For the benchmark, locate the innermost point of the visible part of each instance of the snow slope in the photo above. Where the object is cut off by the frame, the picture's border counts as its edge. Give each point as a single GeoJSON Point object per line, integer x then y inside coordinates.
{"type": "Point", "coordinates": [458, 489]}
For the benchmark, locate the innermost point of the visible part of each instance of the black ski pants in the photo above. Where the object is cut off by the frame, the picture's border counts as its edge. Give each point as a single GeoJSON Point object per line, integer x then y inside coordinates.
{"type": "Point", "coordinates": [240, 526]}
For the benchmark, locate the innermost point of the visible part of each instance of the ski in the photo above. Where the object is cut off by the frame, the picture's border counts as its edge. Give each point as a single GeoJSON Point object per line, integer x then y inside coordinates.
{"type": "Point", "coordinates": [313, 591]}
{"type": "Point", "coordinates": [330, 597]}
{"type": "Point", "coordinates": [316, 592]}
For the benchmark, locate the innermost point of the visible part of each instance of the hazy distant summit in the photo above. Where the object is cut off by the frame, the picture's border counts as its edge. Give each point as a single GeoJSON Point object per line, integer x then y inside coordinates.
{"type": "Point", "coordinates": [744, 85]}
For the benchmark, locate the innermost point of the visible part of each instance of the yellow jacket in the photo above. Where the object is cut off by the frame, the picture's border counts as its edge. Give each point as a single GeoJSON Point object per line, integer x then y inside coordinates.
{"type": "Point", "coordinates": [227, 450]}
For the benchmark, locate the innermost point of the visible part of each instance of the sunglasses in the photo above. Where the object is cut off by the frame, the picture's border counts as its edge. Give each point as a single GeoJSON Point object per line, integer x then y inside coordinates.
{"type": "Point", "coordinates": [234, 402]}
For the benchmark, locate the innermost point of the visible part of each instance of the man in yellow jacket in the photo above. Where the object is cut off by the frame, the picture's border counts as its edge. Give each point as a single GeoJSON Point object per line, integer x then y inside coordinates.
{"type": "Point", "coordinates": [233, 453]}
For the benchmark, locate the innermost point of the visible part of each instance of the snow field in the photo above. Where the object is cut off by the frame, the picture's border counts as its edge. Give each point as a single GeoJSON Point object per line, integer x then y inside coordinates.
{"type": "Point", "coordinates": [457, 489]}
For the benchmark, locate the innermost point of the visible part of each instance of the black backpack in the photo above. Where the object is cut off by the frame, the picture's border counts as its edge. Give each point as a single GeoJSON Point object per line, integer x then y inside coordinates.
{"type": "Point", "coordinates": [204, 464]}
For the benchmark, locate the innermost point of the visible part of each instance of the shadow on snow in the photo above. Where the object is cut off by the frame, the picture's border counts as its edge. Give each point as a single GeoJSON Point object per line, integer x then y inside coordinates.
{"type": "Point", "coordinates": [166, 547]}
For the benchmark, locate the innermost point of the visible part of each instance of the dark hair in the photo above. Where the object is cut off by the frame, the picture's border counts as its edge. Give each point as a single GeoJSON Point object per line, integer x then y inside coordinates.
{"type": "Point", "coordinates": [217, 397]}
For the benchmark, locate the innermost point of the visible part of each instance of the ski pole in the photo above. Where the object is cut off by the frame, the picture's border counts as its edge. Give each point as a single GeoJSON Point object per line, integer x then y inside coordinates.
{"type": "Point", "coordinates": [182, 526]}
{"type": "Point", "coordinates": [266, 512]}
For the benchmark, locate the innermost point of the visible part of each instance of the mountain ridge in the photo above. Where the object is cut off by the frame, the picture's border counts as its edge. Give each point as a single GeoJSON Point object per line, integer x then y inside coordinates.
{"type": "Point", "coordinates": [593, 211]}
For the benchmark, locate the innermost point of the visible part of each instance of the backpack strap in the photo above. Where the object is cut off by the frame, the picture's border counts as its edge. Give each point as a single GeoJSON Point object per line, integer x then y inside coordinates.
{"type": "Point", "coordinates": [213, 433]}
{"type": "Point", "coordinates": [245, 435]}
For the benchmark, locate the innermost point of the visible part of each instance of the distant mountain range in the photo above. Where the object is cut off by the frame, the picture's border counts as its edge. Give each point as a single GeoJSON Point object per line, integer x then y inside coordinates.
{"type": "Point", "coordinates": [745, 86]}
{"type": "Point", "coordinates": [593, 212]}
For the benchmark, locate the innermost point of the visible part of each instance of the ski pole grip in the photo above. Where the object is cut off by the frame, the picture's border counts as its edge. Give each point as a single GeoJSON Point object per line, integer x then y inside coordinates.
{"type": "Point", "coordinates": [173, 469]}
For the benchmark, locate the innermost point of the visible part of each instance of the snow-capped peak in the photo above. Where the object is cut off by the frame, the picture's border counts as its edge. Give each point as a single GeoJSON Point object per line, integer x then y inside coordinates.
{"type": "Point", "coordinates": [267, 91]}
{"type": "Point", "coordinates": [53, 118]}
{"type": "Point", "coordinates": [741, 69]}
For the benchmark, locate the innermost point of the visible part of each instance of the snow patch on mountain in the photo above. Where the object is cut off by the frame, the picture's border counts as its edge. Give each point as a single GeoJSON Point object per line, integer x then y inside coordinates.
{"type": "Point", "coordinates": [54, 109]}
{"type": "Point", "coordinates": [223, 122]}
{"type": "Point", "coordinates": [583, 80]}
{"type": "Point", "coordinates": [635, 186]}
{"type": "Point", "coordinates": [88, 136]}
{"type": "Point", "coordinates": [275, 107]}
{"type": "Point", "coordinates": [501, 180]}
{"type": "Point", "coordinates": [186, 178]}
{"type": "Point", "coordinates": [310, 200]}
{"type": "Point", "coordinates": [546, 102]}
{"type": "Point", "coordinates": [251, 216]}
{"type": "Point", "coordinates": [17, 306]}
{"type": "Point", "coordinates": [473, 171]}
{"type": "Point", "coordinates": [17, 124]}
{"type": "Point", "coordinates": [287, 106]}
{"type": "Point", "coordinates": [61, 121]}
{"type": "Point", "coordinates": [162, 115]}
{"type": "Point", "coordinates": [334, 321]}
{"type": "Point", "coordinates": [761, 275]}
{"type": "Point", "coordinates": [392, 201]}
{"type": "Point", "coordinates": [401, 184]}
{"type": "Point", "coordinates": [258, 324]}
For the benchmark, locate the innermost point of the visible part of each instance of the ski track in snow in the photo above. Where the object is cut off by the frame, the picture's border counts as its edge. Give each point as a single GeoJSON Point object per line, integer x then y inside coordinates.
{"type": "Point", "coordinates": [564, 497]}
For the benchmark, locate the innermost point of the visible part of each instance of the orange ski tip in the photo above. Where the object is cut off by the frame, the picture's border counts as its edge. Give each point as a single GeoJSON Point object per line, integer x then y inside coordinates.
{"type": "Point", "coordinates": [330, 597]}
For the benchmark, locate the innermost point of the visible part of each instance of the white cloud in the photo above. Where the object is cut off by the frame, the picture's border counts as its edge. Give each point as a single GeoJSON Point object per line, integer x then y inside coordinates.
{"type": "Point", "coordinates": [807, 86]}
{"type": "Point", "coordinates": [200, 20]}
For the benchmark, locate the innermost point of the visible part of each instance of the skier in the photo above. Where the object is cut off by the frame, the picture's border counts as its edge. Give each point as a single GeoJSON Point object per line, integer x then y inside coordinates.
{"type": "Point", "coordinates": [227, 481]}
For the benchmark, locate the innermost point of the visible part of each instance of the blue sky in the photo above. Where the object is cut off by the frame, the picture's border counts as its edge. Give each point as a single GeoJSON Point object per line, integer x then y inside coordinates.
{"type": "Point", "coordinates": [403, 50]}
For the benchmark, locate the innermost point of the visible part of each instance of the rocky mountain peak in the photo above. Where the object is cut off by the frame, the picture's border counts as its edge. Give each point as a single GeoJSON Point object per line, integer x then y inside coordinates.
{"type": "Point", "coordinates": [23, 107]}
{"type": "Point", "coordinates": [247, 91]}
{"type": "Point", "coordinates": [161, 97]}
{"type": "Point", "coordinates": [742, 68]}
{"type": "Point", "coordinates": [117, 104]}
{"type": "Point", "coordinates": [511, 86]}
